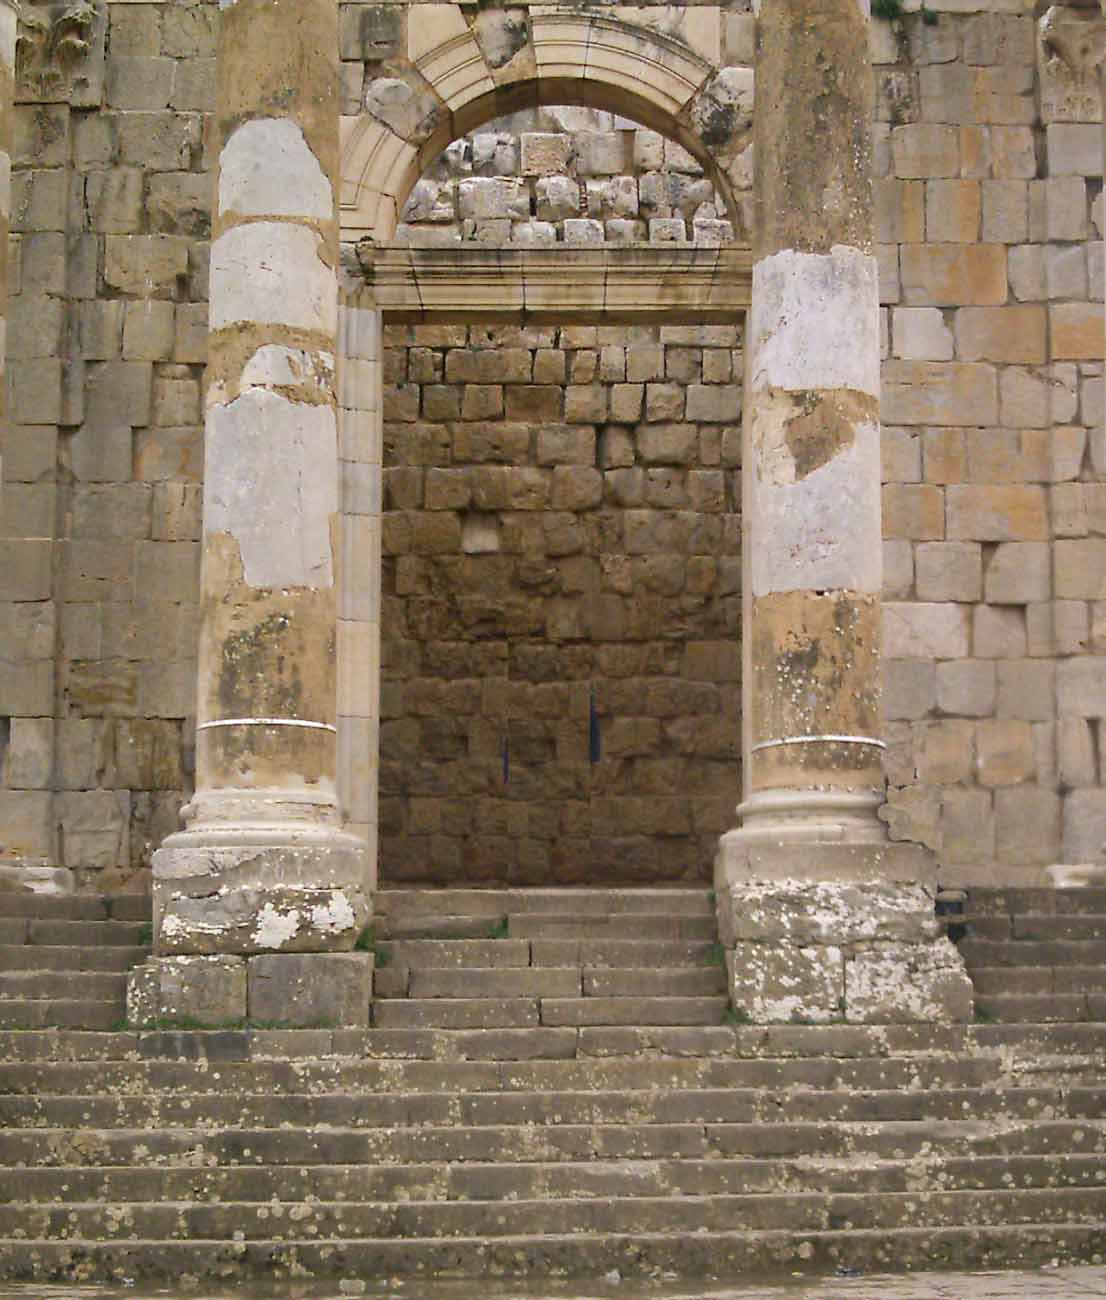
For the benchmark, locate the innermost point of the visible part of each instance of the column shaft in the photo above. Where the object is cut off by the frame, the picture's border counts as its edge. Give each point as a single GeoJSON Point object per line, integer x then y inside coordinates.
{"type": "Point", "coordinates": [263, 866]}
{"type": "Point", "coordinates": [822, 917]}
{"type": "Point", "coordinates": [812, 480]}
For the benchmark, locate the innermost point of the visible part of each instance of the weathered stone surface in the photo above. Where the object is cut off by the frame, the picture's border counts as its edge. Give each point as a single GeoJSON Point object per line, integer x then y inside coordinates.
{"type": "Point", "coordinates": [893, 984]}
{"type": "Point", "coordinates": [782, 983]}
{"type": "Point", "coordinates": [825, 912]}
{"type": "Point", "coordinates": [310, 989]}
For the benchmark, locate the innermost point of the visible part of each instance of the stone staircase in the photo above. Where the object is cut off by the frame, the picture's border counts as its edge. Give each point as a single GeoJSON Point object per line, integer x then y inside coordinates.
{"type": "Point", "coordinates": [613, 1117]}
{"type": "Point", "coordinates": [1036, 955]}
{"type": "Point", "coordinates": [64, 958]}
{"type": "Point", "coordinates": [564, 958]}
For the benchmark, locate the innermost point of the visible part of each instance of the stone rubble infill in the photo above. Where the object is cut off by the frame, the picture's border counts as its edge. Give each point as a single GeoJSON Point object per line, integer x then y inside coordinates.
{"type": "Point", "coordinates": [701, 1150]}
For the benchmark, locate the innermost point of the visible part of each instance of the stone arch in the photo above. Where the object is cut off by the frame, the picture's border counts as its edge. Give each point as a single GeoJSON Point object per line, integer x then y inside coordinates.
{"type": "Point", "coordinates": [459, 75]}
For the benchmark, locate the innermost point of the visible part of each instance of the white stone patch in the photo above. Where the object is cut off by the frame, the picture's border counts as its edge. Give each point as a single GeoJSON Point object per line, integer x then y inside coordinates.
{"type": "Point", "coordinates": [267, 169]}
{"type": "Point", "coordinates": [822, 532]}
{"type": "Point", "coordinates": [177, 927]}
{"type": "Point", "coordinates": [814, 321]}
{"type": "Point", "coordinates": [272, 484]}
{"type": "Point", "coordinates": [276, 366]}
{"type": "Point", "coordinates": [275, 929]}
{"type": "Point", "coordinates": [333, 916]}
{"type": "Point", "coordinates": [9, 27]}
{"type": "Point", "coordinates": [5, 184]}
{"type": "Point", "coordinates": [271, 272]}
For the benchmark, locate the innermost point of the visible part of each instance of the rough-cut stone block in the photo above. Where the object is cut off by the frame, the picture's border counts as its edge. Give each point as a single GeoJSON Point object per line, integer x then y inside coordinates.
{"type": "Point", "coordinates": [923, 630]}
{"type": "Point", "coordinates": [782, 983]}
{"type": "Point", "coordinates": [209, 990]}
{"type": "Point", "coordinates": [902, 983]}
{"type": "Point", "coordinates": [309, 989]}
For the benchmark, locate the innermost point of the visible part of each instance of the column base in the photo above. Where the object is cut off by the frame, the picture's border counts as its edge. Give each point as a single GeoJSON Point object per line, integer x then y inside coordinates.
{"type": "Point", "coordinates": [271, 990]}
{"type": "Point", "coordinates": [834, 932]}
{"type": "Point", "coordinates": [240, 896]}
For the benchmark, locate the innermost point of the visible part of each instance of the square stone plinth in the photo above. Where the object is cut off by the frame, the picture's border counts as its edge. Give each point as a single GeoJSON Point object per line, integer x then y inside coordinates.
{"type": "Point", "coordinates": [310, 989]}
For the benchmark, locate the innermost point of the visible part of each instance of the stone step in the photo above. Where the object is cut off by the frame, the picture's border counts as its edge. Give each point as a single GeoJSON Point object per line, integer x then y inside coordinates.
{"type": "Point", "coordinates": [76, 907]}
{"type": "Point", "coordinates": [517, 982]}
{"type": "Point", "coordinates": [369, 1076]}
{"type": "Point", "coordinates": [713, 1254]}
{"type": "Point", "coordinates": [44, 957]}
{"type": "Point", "coordinates": [73, 933]}
{"type": "Point", "coordinates": [535, 1181]}
{"type": "Point", "coordinates": [590, 1107]}
{"type": "Point", "coordinates": [1006, 980]}
{"type": "Point", "coordinates": [461, 953]}
{"type": "Point", "coordinates": [991, 952]}
{"type": "Point", "coordinates": [68, 907]}
{"type": "Point", "coordinates": [69, 986]}
{"type": "Point", "coordinates": [547, 982]}
{"type": "Point", "coordinates": [536, 925]}
{"type": "Point", "coordinates": [348, 1220]}
{"type": "Point", "coordinates": [1050, 928]}
{"type": "Point", "coordinates": [1042, 1007]}
{"type": "Point", "coordinates": [623, 953]}
{"type": "Point", "coordinates": [634, 1010]}
{"type": "Point", "coordinates": [495, 903]}
{"type": "Point", "coordinates": [479, 1013]}
{"type": "Point", "coordinates": [739, 1041]}
{"type": "Point", "coordinates": [1040, 901]}
{"type": "Point", "coordinates": [164, 1147]}
{"type": "Point", "coordinates": [67, 1013]}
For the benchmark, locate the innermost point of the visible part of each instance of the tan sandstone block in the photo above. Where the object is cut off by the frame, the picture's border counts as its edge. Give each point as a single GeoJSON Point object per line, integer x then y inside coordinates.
{"type": "Point", "coordinates": [953, 275]}
{"type": "Point", "coordinates": [1014, 334]}
{"type": "Point", "coordinates": [939, 393]}
{"type": "Point", "coordinates": [1007, 513]}
{"type": "Point", "coordinates": [1004, 752]}
{"type": "Point", "coordinates": [1077, 331]}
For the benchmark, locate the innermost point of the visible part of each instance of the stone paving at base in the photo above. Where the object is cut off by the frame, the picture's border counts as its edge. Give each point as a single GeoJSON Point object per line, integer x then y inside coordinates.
{"type": "Point", "coordinates": [1074, 1283]}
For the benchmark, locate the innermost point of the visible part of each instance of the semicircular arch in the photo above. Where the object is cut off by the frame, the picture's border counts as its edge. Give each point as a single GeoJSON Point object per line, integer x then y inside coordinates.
{"type": "Point", "coordinates": [455, 80]}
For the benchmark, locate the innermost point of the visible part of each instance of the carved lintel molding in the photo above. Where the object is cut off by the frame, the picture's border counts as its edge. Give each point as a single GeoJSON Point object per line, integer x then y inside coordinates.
{"type": "Point", "coordinates": [59, 53]}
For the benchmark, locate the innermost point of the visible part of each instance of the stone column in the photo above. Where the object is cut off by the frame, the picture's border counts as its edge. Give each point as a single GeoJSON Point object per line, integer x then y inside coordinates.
{"type": "Point", "coordinates": [810, 870]}
{"type": "Point", "coordinates": [258, 902]}
{"type": "Point", "coordinates": [9, 30]}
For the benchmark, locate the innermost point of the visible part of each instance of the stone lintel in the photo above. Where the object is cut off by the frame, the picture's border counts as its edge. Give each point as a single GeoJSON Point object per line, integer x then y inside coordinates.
{"type": "Point", "coordinates": [678, 285]}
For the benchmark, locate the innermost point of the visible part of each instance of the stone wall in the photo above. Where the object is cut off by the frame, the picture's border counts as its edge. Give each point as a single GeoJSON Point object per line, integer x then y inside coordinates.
{"type": "Point", "coordinates": [991, 215]}
{"type": "Point", "coordinates": [562, 540]}
{"type": "Point", "coordinates": [990, 177]}
{"type": "Point", "coordinates": [561, 537]}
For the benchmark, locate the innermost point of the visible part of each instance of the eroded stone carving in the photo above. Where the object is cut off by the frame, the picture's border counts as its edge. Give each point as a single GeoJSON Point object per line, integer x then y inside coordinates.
{"type": "Point", "coordinates": [60, 52]}
{"type": "Point", "coordinates": [1071, 52]}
